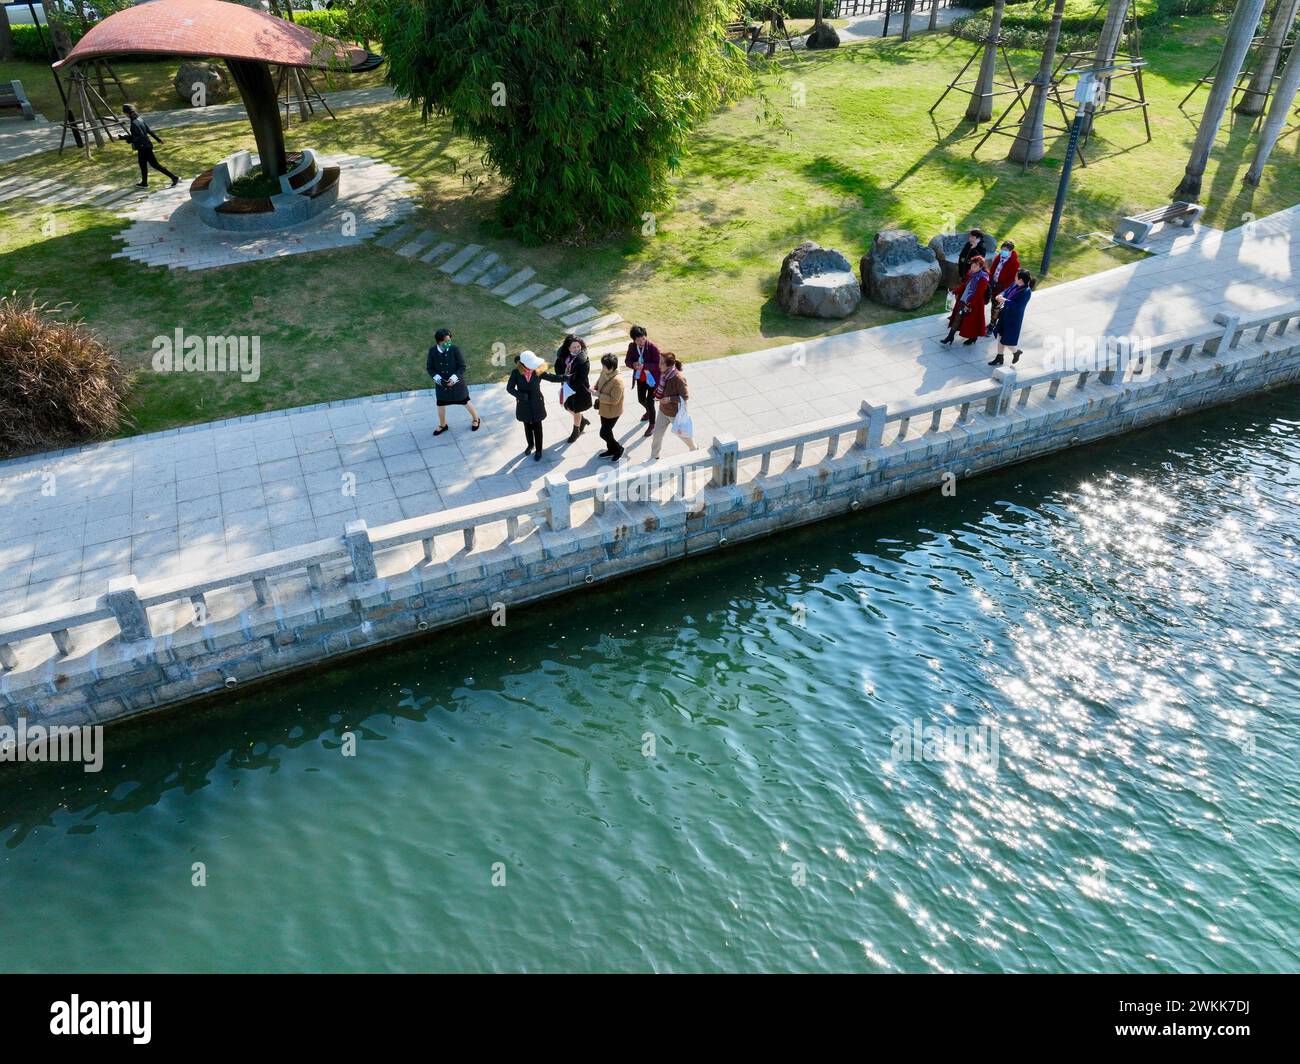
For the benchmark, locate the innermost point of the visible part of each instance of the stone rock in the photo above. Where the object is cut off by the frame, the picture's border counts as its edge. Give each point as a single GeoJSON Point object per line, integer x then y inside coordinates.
{"type": "Point", "coordinates": [817, 282]}
{"type": "Point", "coordinates": [195, 72]}
{"type": "Point", "coordinates": [823, 35]}
{"type": "Point", "coordinates": [898, 271]}
{"type": "Point", "coordinates": [947, 246]}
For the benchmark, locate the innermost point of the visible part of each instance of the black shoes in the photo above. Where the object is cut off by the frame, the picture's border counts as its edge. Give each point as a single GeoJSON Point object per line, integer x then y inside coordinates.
{"type": "Point", "coordinates": [1015, 356]}
{"type": "Point", "coordinates": [528, 450]}
{"type": "Point", "coordinates": [441, 429]}
{"type": "Point", "coordinates": [997, 361]}
{"type": "Point", "coordinates": [946, 340]}
{"type": "Point", "coordinates": [538, 456]}
{"type": "Point", "coordinates": [967, 343]}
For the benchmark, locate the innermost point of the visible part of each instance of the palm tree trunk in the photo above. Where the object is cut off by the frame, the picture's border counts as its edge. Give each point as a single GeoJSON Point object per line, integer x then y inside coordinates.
{"type": "Point", "coordinates": [907, 20]}
{"type": "Point", "coordinates": [934, 13]}
{"type": "Point", "coordinates": [1252, 100]}
{"type": "Point", "coordinates": [1029, 146]}
{"type": "Point", "coordinates": [1241, 31]}
{"type": "Point", "coordinates": [980, 108]}
{"type": "Point", "coordinates": [1283, 98]}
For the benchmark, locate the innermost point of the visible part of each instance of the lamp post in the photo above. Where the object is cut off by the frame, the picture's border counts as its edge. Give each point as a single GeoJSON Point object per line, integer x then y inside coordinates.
{"type": "Point", "coordinates": [1089, 93]}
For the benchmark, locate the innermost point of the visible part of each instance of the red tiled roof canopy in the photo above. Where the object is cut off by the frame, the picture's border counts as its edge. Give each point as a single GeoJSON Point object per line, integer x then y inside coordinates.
{"type": "Point", "coordinates": [209, 28]}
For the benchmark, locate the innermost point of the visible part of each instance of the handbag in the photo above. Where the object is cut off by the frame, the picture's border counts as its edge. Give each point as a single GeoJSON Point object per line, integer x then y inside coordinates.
{"type": "Point", "coordinates": [682, 423]}
{"type": "Point", "coordinates": [950, 302]}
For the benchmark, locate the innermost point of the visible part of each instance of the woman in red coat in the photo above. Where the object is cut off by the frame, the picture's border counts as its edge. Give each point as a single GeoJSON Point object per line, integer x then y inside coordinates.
{"type": "Point", "coordinates": [1002, 275]}
{"type": "Point", "coordinates": [967, 315]}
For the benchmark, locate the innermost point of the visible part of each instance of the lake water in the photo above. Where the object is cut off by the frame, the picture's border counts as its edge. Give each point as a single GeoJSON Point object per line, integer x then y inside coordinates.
{"type": "Point", "coordinates": [711, 766]}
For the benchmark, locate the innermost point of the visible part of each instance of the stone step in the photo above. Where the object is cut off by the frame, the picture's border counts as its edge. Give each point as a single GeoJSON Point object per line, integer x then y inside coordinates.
{"type": "Point", "coordinates": [461, 259]}
{"type": "Point", "coordinates": [391, 238]}
{"type": "Point", "coordinates": [438, 251]}
{"type": "Point", "coordinates": [476, 269]}
{"type": "Point", "coordinates": [511, 283]}
{"type": "Point", "coordinates": [581, 316]}
{"type": "Point", "coordinates": [496, 273]}
{"type": "Point", "coordinates": [554, 310]}
{"type": "Point", "coordinates": [421, 241]}
{"type": "Point", "coordinates": [5, 182]}
{"type": "Point", "coordinates": [601, 324]}
{"type": "Point", "coordinates": [553, 296]}
{"type": "Point", "coordinates": [94, 193]}
{"type": "Point", "coordinates": [64, 195]}
{"type": "Point", "coordinates": [111, 197]}
{"type": "Point", "coordinates": [34, 189]}
{"type": "Point", "coordinates": [614, 338]}
{"type": "Point", "coordinates": [525, 294]}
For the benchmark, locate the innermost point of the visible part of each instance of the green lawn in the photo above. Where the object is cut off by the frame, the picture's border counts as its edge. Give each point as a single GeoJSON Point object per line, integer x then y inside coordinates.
{"type": "Point", "coordinates": [861, 155]}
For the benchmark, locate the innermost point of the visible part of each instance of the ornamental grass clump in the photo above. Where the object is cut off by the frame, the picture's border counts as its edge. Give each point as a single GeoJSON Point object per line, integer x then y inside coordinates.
{"type": "Point", "coordinates": [59, 385]}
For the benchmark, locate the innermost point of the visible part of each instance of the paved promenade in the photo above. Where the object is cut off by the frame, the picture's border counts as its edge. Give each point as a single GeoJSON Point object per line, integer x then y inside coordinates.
{"type": "Point", "coordinates": [180, 501]}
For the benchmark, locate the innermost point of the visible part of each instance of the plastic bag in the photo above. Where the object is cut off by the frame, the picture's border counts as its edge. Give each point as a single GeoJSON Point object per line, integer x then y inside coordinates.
{"type": "Point", "coordinates": [682, 423]}
{"type": "Point", "coordinates": [950, 302]}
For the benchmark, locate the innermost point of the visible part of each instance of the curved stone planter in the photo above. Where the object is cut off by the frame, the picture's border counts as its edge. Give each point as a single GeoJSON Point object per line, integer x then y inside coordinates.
{"type": "Point", "coordinates": [306, 190]}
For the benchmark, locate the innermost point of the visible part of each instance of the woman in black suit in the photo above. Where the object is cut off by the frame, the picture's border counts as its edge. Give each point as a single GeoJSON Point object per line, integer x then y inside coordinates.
{"type": "Point", "coordinates": [525, 384]}
{"type": "Point", "coordinates": [446, 365]}
{"type": "Point", "coordinates": [573, 371]}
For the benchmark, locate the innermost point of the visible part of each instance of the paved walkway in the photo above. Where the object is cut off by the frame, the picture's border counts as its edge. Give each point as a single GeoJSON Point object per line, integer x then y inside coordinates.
{"type": "Point", "coordinates": [180, 501]}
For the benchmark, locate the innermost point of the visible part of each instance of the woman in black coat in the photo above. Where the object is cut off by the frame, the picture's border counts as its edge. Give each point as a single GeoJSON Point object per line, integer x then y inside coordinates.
{"type": "Point", "coordinates": [573, 371]}
{"type": "Point", "coordinates": [446, 365]}
{"type": "Point", "coordinates": [525, 384]}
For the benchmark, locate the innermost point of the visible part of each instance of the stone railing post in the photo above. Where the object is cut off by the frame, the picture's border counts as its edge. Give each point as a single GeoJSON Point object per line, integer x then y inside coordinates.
{"type": "Point", "coordinates": [725, 451]}
{"type": "Point", "coordinates": [1001, 403]}
{"type": "Point", "coordinates": [123, 599]}
{"type": "Point", "coordinates": [1116, 367]}
{"type": "Point", "coordinates": [1231, 323]}
{"type": "Point", "coordinates": [873, 432]}
{"type": "Point", "coordinates": [360, 551]}
{"type": "Point", "coordinates": [557, 497]}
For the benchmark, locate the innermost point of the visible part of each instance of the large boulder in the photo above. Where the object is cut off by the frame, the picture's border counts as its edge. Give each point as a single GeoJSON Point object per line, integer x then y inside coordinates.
{"type": "Point", "coordinates": [898, 271]}
{"type": "Point", "coordinates": [947, 247]}
{"type": "Point", "coordinates": [817, 282]}
{"type": "Point", "coordinates": [822, 35]}
{"type": "Point", "coordinates": [194, 73]}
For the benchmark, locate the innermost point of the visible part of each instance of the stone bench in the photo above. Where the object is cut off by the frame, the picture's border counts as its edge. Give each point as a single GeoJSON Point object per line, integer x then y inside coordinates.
{"type": "Point", "coordinates": [13, 98]}
{"type": "Point", "coordinates": [1134, 230]}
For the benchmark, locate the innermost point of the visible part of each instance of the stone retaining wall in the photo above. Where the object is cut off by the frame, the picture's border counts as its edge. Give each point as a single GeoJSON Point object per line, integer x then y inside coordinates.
{"type": "Point", "coordinates": [303, 627]}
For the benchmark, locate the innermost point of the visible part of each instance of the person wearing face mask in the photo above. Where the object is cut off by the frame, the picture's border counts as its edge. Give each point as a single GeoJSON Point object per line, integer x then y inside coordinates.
{"type": "Point", "coordinates": [525, 386]}
{"type": "Point", "coordinates": [446, 365]}
{"type": "Point", "coordinates": [643, 359]}
{"type": "Point", "coordinates": [1002, 275]}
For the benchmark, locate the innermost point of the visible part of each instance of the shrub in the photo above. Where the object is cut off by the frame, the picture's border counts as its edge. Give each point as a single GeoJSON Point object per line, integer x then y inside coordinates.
{"type": "Point", "coordinates": [584, 108]}
{"type": "Point", "coordinates": [61, 384]}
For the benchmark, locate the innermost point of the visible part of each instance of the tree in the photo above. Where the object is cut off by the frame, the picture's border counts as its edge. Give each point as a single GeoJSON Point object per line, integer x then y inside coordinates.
{"type": "Point", "coordinates": [6, 34]}
{"type": "Point", "coordinates": [1278, 111]}
{"type": "Point", "coordinates": [1270, 51]}
{"type": "Point", "coordinates": [1241, 31]}
{"type": "Point", "coordinates": [1029, 147]}
{"type": "Point", "coordinates": [1112, 31]}
{"type": "Point", "coordinates": [934, 13]}
{"type": "Point", "coordinates": [980, 108]}
{"type": "Point", "coordinates": [907, 20]}
{"type": "Point", "coordinates": [584, 108]}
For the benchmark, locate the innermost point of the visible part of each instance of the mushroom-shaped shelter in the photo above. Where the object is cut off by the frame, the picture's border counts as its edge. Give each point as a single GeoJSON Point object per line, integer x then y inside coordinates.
{"type": "Point", "coordinates": [249, 41]}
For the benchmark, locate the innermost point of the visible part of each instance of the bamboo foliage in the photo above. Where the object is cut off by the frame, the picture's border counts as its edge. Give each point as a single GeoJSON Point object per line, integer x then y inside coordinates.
{"type": "Point", "coordinates": [584, 107]}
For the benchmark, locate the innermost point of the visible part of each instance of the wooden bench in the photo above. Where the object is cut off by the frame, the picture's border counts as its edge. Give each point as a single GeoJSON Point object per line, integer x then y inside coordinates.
{"type": "Point", "coordinates": [1133, 231]}
{"type": "Point", "coordinates": [203, 181]}
{"type": "Point", "coordinates": [261, 205]}
{"type": "Point", "coordinates": [302, 177]}
{"type": "Point", "coordinates": [12, 98]}
{"type": "Point", "coordinates": [329, 177]}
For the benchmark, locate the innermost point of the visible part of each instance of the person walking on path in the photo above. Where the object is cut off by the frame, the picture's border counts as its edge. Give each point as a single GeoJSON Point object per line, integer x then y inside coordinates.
{"type": "Point", "coordinates": [137, 135]}
{"type": "Point", "coordinates": [446, 365]}
{"type": "Point", "coordinates": [1002, 275]}
{"type": "Point", "coordinates": [643, 359]}
{"type": "Point", "coordinates": [968, 313]}
{"type": "Point", "coordinates": [1011, 316]}
{"type": "Point", "coordinates": [672, 394]}
{"type": "Point", "coordinates": [974, 246]}
{"type": "Point", "coordinates": [573, 371]}
{"type": "Point", "coordinates": [525, 384]}
{"type": "Point", "coordinates": [609, 405]}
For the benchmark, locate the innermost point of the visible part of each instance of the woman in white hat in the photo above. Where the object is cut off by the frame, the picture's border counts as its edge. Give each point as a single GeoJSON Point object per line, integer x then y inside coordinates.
{"type": "Point", "coordinates": [525, 384]}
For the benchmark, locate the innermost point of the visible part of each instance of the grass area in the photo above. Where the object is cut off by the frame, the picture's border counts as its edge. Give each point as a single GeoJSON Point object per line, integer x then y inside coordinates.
{"type": "Point", "coordinates": [148, 84]}
{"type": "Point", "coordinates": [861, 154]}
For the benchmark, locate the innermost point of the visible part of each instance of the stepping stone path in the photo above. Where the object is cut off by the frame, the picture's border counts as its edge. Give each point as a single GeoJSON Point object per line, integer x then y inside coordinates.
{"type": "Point", "coordinates": [513, 284]}
{"type": "Point", "coordinates": [51, 193]}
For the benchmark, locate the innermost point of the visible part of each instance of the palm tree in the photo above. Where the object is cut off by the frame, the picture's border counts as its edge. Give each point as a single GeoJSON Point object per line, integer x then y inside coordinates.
{"type": "Point", "coordinates": [6, 35]}
{"type": "Point", "coordinates": [1252, 100]}
{"type": "Point", "coordinates": [1283, 98]}
{"type": "Point", "coordinates": [1112, 30]}
{"type": "Point", "coordinates": [1029, 147]}
{"type": "Point", "coordinates": [1241, 31]}
{"type": "Point", "coordinates": [934, 13]}
{"type": "Point", "coordinates": [907, 20]}
{"type": "Point", "coordinates": [980, 108]}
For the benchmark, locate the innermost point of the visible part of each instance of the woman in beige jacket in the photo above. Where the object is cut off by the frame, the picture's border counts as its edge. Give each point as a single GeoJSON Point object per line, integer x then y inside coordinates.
{"type": "Point", "coordinates": [671, 392]}
{"type": "Point", "coordinates": [608, 394]}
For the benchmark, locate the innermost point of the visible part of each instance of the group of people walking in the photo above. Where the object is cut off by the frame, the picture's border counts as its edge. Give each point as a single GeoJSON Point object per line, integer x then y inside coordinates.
{"type": "Point", "coordinates": [658, 379]}
{"type": "Point", "coordinates": [998, 285]}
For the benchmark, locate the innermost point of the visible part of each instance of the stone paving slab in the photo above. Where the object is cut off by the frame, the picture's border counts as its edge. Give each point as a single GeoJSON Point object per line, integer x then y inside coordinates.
{"type": "Point", "coordinates": [178, 501]}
